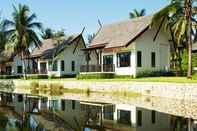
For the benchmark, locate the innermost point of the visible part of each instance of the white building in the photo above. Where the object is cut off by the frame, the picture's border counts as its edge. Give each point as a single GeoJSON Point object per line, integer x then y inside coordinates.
{"type": "Point", "coordinates": [14, 65]}
{"type": "Point", "coordinates": [129, 47]}
{"type": "Point", "coordinates": [59, 57]}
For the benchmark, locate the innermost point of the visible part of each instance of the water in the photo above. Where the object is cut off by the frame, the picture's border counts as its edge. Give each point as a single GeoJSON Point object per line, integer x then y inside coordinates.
{"type": "Point", "coordinates": [30, 110]}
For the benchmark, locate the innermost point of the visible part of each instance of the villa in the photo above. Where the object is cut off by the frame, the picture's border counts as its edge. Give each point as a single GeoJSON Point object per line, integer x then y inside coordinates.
{"type": "Point", "coordinates": [129, 47]}
{"type": "Point", "coordinates": [59, 57]}
{"type": "Point", "coordinates": [56, 57]}
{"type": "Point", "coordinates": [11, 64]}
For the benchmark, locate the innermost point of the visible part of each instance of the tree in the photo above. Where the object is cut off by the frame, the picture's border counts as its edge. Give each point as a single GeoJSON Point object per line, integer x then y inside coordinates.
{"type": "Point", "coordinates": [176, 18]}
{"type": "Point", "coordinates": [91, 37]}
{"type": "Point", "coordinates": [3, 37]}
{"type": "Point", "coordinates": [135, 13]}
{"type": "Point", "coordinates": [47, 33]}
{"type": "Point", "coordinates": [188, 14]}
{"type": "Point", "coordinates": [22, 33]}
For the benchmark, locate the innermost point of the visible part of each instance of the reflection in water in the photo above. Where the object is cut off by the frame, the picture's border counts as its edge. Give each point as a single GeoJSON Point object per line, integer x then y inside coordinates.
{"type": "Point", "coordinates": [96, 112]}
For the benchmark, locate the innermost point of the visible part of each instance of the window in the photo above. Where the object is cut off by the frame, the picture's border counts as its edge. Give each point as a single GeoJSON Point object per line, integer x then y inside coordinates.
{"type": "Point", "coordinates": [63, 105]}
{"type": "Point", "coordinates": [139, 59]}
{"type": "Point", "coordinates": [73, 104]}
{"type": "Point", "coordinates": [139, 118]}
{"type": "Point", "coordinates": [108, 112]}
{"type": "Point", "coordinates": [20, 98]}
{"type": "Point", "coordinates": [62, 65]}
{"type": "Point", "coordinates": [153, 116]}
{"type": "Point", "coordinates": [124, 59]}
{"type": "Point", "coordinates": [153, 63]}
{"type": "Point", "coordinates": [73, 65]}
{"type": "Point", "coordinates": [19, 69]}
{"type": "Point", "coordinates": [8, 70]}
{"type": "Point", "coordinates": [108, 59]}
{"type": "Point", "coordinates": [55, 65]}
{"type": "Point", "coordinates": [124, 117]}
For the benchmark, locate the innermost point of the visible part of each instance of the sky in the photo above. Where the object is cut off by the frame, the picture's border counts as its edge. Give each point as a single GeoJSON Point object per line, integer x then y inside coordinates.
{"type": "Point", "coordinates": [73, 15]}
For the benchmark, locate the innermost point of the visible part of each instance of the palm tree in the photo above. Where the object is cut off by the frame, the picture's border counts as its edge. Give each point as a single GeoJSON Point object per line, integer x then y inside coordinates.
{"type": "Point", "coordinates": [47, 33]}
{"type": "Point", "coordinates": [137, 13]}
{"type": "Point", "coordinates": [22, 33]}
{"type": "Point", "coordinates": [174, 17]}
{"type": "Point", "coordinates": [3, 37]}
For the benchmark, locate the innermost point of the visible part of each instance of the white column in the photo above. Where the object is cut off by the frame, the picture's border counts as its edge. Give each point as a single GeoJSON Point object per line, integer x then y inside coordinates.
{"type": "Point", "coordinates": [115, 61]}
{"type": "Point", "coordinates": [39, 103]}
{"type": "Point", "coordinates": [59, 67]}
{"type": "Point", "coordinates": [38, 66]}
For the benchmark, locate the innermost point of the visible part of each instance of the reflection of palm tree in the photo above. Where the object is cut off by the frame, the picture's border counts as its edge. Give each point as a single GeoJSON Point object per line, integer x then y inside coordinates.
{"type": "Point", "coordinates": [3, 122]}
{"type": "Point", "coordinates": [59, 118]}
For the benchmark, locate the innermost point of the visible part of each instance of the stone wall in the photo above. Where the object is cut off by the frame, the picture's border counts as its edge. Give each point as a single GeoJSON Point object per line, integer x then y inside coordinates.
{"type": "Point", "coordinates": [169, 90]}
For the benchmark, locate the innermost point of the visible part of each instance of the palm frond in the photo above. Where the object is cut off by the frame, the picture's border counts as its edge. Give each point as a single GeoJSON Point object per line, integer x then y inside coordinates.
{"type": "Point", "coordinates": [34, 25]}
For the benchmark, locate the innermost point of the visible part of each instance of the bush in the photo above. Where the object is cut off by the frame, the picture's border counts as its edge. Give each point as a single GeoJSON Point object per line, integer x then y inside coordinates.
{"type": "Point", "coordinates": [194, 76]}
{"type": "Point", "coordinates": [69, 76]}
{"type": "Point", "coordinates": [123, 76]}
{"type": "Point", "coordinates": [37, 76]}
{"type": "Point", "coordinates": [10, 76]}
{"type": "Point", "coordinates": [149, 73]}
{"type": "Point", "coordinates": [96, 76]}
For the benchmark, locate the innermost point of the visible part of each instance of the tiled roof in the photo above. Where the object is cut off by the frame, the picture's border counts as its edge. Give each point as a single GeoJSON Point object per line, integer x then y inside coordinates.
{"type": "Point", "coordinates": [50, 46]}
{"type": "Point", "coordinates": [121, 33]}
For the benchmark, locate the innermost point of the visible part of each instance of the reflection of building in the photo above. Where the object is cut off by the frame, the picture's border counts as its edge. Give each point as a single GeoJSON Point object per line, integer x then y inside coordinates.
{"type": "Point", "coordinates": [126, 117]}
{"type": "Point", "coordinates": [142, 119]}
{"type": "Point", "coordinates": [96, 115]}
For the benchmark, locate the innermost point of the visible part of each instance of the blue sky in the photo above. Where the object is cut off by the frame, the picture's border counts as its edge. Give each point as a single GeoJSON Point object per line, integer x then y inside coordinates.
{"type": "Point", "coordinates": [73, 15]}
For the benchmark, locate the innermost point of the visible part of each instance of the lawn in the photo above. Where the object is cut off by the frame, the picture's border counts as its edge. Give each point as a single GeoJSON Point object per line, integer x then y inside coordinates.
{"type": "Point", "coordinates": [166, 79]}
{"type": "Point", "coordinates": [146, 79]}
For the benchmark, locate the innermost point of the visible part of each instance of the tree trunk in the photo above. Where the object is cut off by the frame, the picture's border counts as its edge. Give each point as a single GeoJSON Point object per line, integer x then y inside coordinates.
{"type": "Point", "coordinates": [188, 16]}
{"type": "Point", "coordinates": [23, 65]}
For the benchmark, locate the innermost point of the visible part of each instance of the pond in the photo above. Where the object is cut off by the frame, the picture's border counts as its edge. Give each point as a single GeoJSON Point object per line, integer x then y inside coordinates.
{"type": "Point", "coordinates": [28, 109]}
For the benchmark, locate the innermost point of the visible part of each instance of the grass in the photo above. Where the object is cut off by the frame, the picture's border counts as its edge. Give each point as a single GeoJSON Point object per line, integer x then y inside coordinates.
{"type": "Point", "coordinates": [166, 79]}
{"type": "Point", "coordinates": [145, 79]}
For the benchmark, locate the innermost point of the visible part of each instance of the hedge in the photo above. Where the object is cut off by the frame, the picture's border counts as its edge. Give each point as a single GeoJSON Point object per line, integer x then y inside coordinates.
{"type": "Point", "coordinates": [158, 73]}
{"type": "Point", "coordinates": [10, 76]}
{"type": "Point", "coordinates": [37, 76]}
{"type": "Point", "coordinates": [96, 76]}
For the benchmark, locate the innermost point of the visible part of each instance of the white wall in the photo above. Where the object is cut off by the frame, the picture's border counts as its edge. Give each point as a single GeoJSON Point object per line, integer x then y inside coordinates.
{"type": "Point", "coordinates": [68, 56]}
{"type": "Point", "coordinates": [123, 70]}
{"type": "Point", "coordinates": [18, 62]}
{"type": "Point", "coordinates": [161, 47]}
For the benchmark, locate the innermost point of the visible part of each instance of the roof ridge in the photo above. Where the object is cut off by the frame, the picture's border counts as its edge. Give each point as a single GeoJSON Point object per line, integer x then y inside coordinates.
{"type": "Point", "coordinates": [137, 19]}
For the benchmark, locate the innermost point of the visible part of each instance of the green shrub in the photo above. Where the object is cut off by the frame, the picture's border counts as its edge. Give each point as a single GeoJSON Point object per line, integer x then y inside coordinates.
{"type": "Point", "coordinates": [10, 76]}
{"type": "Point", "coordinates": [149, 73]}
{"type": "Point", "coordinates": [194, 76]}
{"type": "Point", "coordinates": [184, 61]}
{"type": "Point", "coordinates": [37, 76]}
{"type": "Point", "coordinates": [123, 76]}
{"type": "Point", "coordinates": [96, 76]}
{"type": "Point", "coordinates": [69, 76]}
